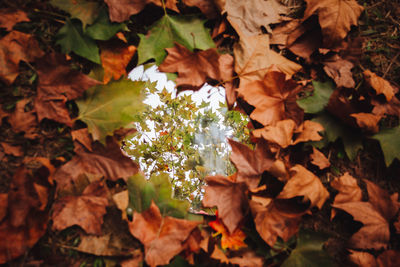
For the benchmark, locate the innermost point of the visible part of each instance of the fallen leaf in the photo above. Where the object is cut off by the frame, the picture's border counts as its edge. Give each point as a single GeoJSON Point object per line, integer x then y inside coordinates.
{"type": "Point", "coordinates": [319, 98]}
{"type": "Point", "coordinates": [340, 71]}
{"type": "Point", "coordinates": [229, 197]}
{"type": "Point", "coordinates": [233, 241]}
{"type": "Point", "coordinates": [188, 31]}
{"type": "Point", "coordinates": [253, 59]}
{"type": "Point", "coordinates": [367, 121]}
{"type": "Point", "coordinates": [121, 199]}
{"type": "Point", "coordinates": [22, 121]}
{"type": "Point", "coordinates": [10, 17]}
{"type": "Point", "coordinates": [83, 137]}
{"type": "Point", "coordinates": [389, 258]}
{"type": "Point", "coordinates": [386, 108]}
{"type": "Point", "coordinates": [103, 29]}
{"type": "Point", "coordinates": [250, 164]}
{"type": "Point", "coordinates": [380, 85]}
{"type": "Point", "coordinates": [281, 133]}
{"type": "Point", "coordinates": [249, 16]}
{"type": "Point", "coordinates": [57, 84]}
{"type": "Point", "coordinates": [363, 259]}
{"type": "Point", "coordinates": [16, 151]}
{"type": "Point", "coordinates": [335, 18]}
{"type": "Point", "coordinates": [193, 68]}
{"type": "Point", "coordinates": [318, 159]}
{"type": "Point", "coordinates": [349, 191]}
{"type": "Point", "coordinates": [308, 131]}
{"type": "Point", "coordinates": [114, 61]}
{"type": "Point", "coordinates": [86, 211]}
{"type": "Point", "coordinates": [85, 11]}
{"type": "Point", "coordinates": [384, 203]}
{"type": "Point", "coordinates": [274, 98]}
{"type": "Point", "coordinates": [390, 143]}
{"type": "Point", "coordinates": [226, 76]}
{"type": "Point", "coordinates": [16, 47]}
{"type": "Point", "coordinates": [207, 7]}
{"type": "Point", "coordinates": [305, 183]}
{"type": "Point", "coordinates": [120, 11]}
{"type": "Point", "coordinates": [162, 237]}
{"type": "Point", "coordinates": [247, 259]}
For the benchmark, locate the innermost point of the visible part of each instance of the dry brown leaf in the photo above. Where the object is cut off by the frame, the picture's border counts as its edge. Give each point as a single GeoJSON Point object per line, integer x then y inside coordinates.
{"type": "Point", "coordinates": [114, 60]}
{"type": "Point", "coordinates": [121, 10]}
{"type": "Point", "coordinates": [382, 201]}
{"type": "Point", "coordinates": [22, 121]}
{"type": "Point", "coordinates": [367, 121]}
{"type": "Point", "coordinates": [274, 99]}
{"type": "Point", "coordinates": [335, 17]}
{"type": "Point", "coordinates": [250, 164]}
{"type": "Point", "coordinates": [86, 211]}
{"type": "Point", "coordinates": [308, 131]}
{"type": "Point", "coordinates": [362, 259]}
{"type": "Point", "coordinates": [247, 259]}
{"type": "Point", "coordinates": [57, 84]}
{"type": "Point", "coordinates": [207, 7]}
{"type": "Point", "coordinates": [389, 258]}
{"type": "Point", "coordinates": [10, 17]}
{"type": "Point", "coordinates": [162, 237]}
{"type": "Point", "coordinates": [253, 59]}
{"type": "Point", "coordinates": [225, 63]}
{"type": "Point", "coordinates": [340, 71]}
{"type": "Point", "coordinates": [16, 151]}
{"type": "Point", "coordinates": [121, 199]}
{"type": "Point", "coordinates": [305, 183]}
{"type": "Point", "coordinates": [248, 16]}
{"type": "Point", "coordinates": [349, 191]}
{"type": "Point", "coordinates": [318, 159]}
{"type": "Point", "coordinates": [230, 199]}
{"type": "Point", "coordinates": [83, 136]}
{"type": "Point", "coordinates": [380, 85]}
{"type": "Point", "coordinates": [386, 108]}
{"type": "Point", "coordinates": [281, 133]}
{"type": "Point", "coordinates": [136, 261]}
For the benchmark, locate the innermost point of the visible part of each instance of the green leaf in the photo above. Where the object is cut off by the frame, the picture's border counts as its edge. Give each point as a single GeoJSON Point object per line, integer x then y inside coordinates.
{"type": "Point", "coordinates": [189, 31]}
{"type": "Point", "coordinates": [106, 108]}
{"type": "Point", "coordinates": [334, 129]}
{"type": "Point", "coordinates": [83, 10]}
{"type": "Point", "coordinates": [102, 28]}
{"type": "Point", "coordinates": [309, 251]}
{"type": "Point", "coordinates": [390, 143]}
{"type": "Point", "coordinates": [158, 189]}
{"type": "Point", "coordinates": [320, 98]}
{"type": "Point", "coordinates": [71, 38]}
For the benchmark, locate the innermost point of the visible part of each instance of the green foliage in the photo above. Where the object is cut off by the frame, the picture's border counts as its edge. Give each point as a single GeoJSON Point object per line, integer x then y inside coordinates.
{"type": "Point", "coordinates": [85, 11]}
{"type": "Point", "coordinates": [390, 143]}
{"type": "Point", "coordinates": [106, 108]}
{"type": "Point", "coordinates": [71, 38]}
{"type": "Point", "coordinates": [158, 189]}
{"type": "Point", "coordinates": [309, 251]}
{"type": "Point", "coordinates": [319, 99]}
{"type": "Point", "coordinates": [102, 29]}
{"type": "Point", "coordinates": [186, 30]}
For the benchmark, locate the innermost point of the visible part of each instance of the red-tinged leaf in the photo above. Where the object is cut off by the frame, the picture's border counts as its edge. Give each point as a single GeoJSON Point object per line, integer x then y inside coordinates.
{"type": "Point", "coordinates": [233, 241]}
{"type": "Point", "coordinates": [114, 61]}
{"type": "Point", "coordinates": [57, 84]}
{"type": "Point", "coordinates": [10, 17]}
{"type": "Point", "coordinates": [22, 121]}
{"type": "Point", "coordinates": [305, 183]}
{"type": "Point", "coordinates": [318, 159]}
{"type": "Point", "coordinates": [16, 151]}
{"type": "Point", "coordinates": [16, 47]}
{"type": "Point", "coordinates": [83, 136]}
{"type": "Point", "coordinates": [229, 197]}
{"type": "Point", "coordinates": [380, 85]}
{"type": "Point", "coordinates": [162, 237]}
{"type": "Point", "coordinates": [274, 99]}
{"type": "Point", "coordinates": [86, 210]}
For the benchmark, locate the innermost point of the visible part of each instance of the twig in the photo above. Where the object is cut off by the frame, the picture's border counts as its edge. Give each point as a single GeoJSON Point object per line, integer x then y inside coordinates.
{"type": "Point", "coordinates": [390, 64]}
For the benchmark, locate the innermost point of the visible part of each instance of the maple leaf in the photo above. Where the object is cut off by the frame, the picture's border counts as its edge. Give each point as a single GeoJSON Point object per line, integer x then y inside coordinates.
{"type": "Point", "coordinates": [253, 59]}
{"type": "Point", "coordinates": [349, 191]}
{"type": "Point", "coordinates": [16, 47]}
{"type": "Point", "coordinates": [114, 61]}
{"type": "Point", "coordinates": [335, 17]}
{"type": "Point", "coordinates": [229, 197]}
{"type": "Point", "coordinates": [24, 216]}
{"type": "Point", "coordinates": [390, 143]}
{"type": "Point", "coordinates": [162, 237]}
{"type": "Point", "coordinates": [272, 223]}
{"type": "Point", "coordinates": [22, 121]}
{"type": "Point", "coordinates": [193, 68]}
{"type": "Point", "coordinates": [318, 159]}
{"type": "Point", "coordinates": [274, 98]}
{"type": "Point", "coordinates": [102, 29]}
{"type": "Point", "coordinates": [121, 10]}
{"type": "Point", "coordinates": [340, 71]}
{"type": "Point", "coordinates": [86, 211]}
{"type": "Point", "coordinates": [188, 31]}
{"type": "Point", "coordinates": [367, 121]}
{"type": "Point", "coordinates": [57, 84]}
{"type": "Point", "coordinates": [10, 17]}
{"type": "Point", "coordinates": [248, 17]}
{"type": "Point", "coordinates": [85, 11]}
{"type": "Point", "coordinates": [249, 163]}
{"type": "Point", "coordinates": [305, 183]}
{"type": "Point", "coordinates": [380, 85]}
{"type": "Point", "coordinates": [233, 241]}
{"type": "Point", "coordinates": [106, 108]}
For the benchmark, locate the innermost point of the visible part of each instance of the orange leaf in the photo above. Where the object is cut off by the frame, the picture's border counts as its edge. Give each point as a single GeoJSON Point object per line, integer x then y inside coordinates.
{"type": "Point", "coordinates": [232, 241]}
{"type": "Point", "coordinates": [114, 61]}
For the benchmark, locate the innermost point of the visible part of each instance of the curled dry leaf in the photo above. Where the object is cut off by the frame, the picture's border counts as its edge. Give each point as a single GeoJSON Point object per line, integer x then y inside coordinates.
{"type": "Point", "coordinates": [86, 210]}
{"type": "Point", "coordinates": [380, 85]}
{"type": "Point", "coordinates": [229, 197]}
{"type": "Point", "coordinates": [162, 237]}
{"type": "Point", "coordinates": [16, 47]}
{"type": "Point", "coordinates": [22, 121]}
{"type": "Point", "coordinates": [114, 61]}
{"type": "Point", "coordinates": [305, 183]}
{"type": "Point", "coordinates": [318, 159]}
{"type": "Point", "coordinates": [367, 121]}
{"type": "Point", "coordinates": [10, 17]}
{"type": "Point", "coordinates": [274, 99]}
{"type": "Point", "coordinates": [335, 17]}
{"type": "Point", "coordinates": [57, 84]}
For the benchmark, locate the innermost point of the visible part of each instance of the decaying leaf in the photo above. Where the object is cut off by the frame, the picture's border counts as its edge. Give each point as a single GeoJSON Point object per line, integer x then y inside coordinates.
{"type": "Point", "coordinates": [114, 61]}
{"type": "Point", "coordinates": [319, 159]}
{"type": "Point", "coordinates": [233, 241]}
{"type": "Point", "coordinates": [162, 237]}
{"type": "Point", "coordinates": [229, 197]}
{"type": "Point", "coordinates": [10, 17]}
